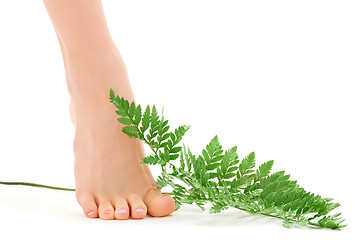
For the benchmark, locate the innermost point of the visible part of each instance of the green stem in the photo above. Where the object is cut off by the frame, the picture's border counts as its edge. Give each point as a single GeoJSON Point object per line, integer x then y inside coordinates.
{"type": "Point", "coordinates": [37, 185]}
{"type": "Point", "coordinates": [50, 187]}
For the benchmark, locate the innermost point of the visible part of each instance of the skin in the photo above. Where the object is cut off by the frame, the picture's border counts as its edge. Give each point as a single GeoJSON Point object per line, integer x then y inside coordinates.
{"type": "Point", "coordinates": [111, 183]}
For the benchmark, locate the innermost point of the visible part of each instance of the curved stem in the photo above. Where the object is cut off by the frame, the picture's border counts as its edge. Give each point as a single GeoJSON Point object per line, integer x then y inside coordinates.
{"type": "Point", "coordinates": [50, 187]}
{"type": "Point", "coordinates": [37, 185]}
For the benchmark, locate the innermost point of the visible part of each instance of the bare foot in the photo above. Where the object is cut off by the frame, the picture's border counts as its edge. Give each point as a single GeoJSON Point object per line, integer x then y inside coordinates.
{"type": "Point", "coordinates": [111, 182]}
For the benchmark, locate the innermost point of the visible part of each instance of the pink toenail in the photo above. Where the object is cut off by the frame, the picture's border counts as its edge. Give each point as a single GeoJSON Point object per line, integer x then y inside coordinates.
{"type": "Point", "coordinates": [90, 213]}
{"type": "Point", "coordinates": [123, 210]}
{"type": "Point", "coordinates": [139, 210]}
{"type": "Point", "coordinates": [108, 211]}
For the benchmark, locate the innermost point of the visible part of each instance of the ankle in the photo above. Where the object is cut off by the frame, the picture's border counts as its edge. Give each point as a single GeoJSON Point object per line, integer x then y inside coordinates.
{"type": "Point", "coordinates": [95, 112]}
{"type": "Point", "coordinates": [91, 77]}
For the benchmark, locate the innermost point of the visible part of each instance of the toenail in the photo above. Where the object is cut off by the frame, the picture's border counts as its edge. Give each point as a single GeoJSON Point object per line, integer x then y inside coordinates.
{"type": "Point", "coordinates": [108, 211]}
{"type": "Point", "coordinates": [139, 210]}
{"type": "Point", "coordinates": [123, 210]}
{"type": "Point", "coordinates": [90, 213]}
{"type": "Point", "coordinates": [165, 195]}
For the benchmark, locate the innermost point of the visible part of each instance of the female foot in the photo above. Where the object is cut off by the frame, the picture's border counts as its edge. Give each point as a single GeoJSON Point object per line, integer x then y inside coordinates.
{"type": "Point", "coordinates": [111, 183]}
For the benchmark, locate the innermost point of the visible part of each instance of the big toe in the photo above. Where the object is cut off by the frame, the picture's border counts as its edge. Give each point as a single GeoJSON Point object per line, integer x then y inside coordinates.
{"type": "Point", "coordinates": [159, 205]}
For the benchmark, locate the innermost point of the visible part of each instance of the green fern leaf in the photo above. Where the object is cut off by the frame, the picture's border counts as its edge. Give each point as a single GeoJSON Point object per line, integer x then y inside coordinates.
{"type": "Point", "coordinates": [175, 150]}
{"type": "Point", "coordinates": [132, 109]}
{"type": "Point", "coordinates": [229, 156]}
{"type": "Point", "coordinates": [122, 113]}
{"type": "Point", "coordinates": [125, 121]}
{"type": "Point", "coordinates": [263, 170]}
{"type": "Point", "coordinates": [154, 117]}
{"type": "Point", "coordinates": [111, 94]}
{"type": "Point", "coordinates": [161, 183]}
{"type": "Point", "coordinates": [150, 160]}
{"type": "Point", "coordinates": [145, 123]}
{"type": "Point", "coordinates": [212, 166]}
{"type": "Point", "coordinates": [125, 104]}
{"type": "Point", "coordinates": [131, 131]}
{"type": "Point", "coordinates": [137, 116]}
{"type": "Point", "coordinates": [246, 165]}
{"type": "Point", "coordinates": [232, 169]}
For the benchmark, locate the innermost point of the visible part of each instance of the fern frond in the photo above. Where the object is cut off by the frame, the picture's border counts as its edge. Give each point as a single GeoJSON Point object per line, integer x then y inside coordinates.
{"type": "Point", "coordinates": [219, 177]}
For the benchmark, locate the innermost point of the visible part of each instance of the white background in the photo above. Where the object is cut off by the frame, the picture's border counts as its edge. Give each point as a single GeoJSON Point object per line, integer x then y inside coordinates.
{"type": "Point", "coordinates": [274, 77]}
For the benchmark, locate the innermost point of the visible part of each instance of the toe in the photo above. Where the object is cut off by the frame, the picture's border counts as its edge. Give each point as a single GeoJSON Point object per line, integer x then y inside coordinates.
{"type": "Point", "coordinates": [159, 205]}
{"type": "Point", "coordinates": [121, 209]}
{"type": "Point", "coordinates": [137, 207]}
{"type": "Point", "coordinates": [106, 210]}
{"type": "Point", "coordinates": [88, 205]}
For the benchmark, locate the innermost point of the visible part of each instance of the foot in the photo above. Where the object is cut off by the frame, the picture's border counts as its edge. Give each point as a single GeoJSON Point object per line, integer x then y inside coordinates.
{"type": "Point", "coordinates": [111, 183]}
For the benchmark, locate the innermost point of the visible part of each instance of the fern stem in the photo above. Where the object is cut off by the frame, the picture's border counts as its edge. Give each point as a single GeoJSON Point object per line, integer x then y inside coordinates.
{"type": "Point", "coordinates": [49, 187]}
{"type": "Point", "coordinates": [37, 185]}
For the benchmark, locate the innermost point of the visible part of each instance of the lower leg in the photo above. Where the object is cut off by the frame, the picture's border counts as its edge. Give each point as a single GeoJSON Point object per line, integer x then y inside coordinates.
{"type": "Point", "coordinates": [109, 176]}
{"type": "Point", "coordinates": [72, 109]}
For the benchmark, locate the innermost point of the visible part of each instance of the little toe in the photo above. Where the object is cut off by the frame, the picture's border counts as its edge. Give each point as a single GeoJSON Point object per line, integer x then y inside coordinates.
{"type": "Point", "coordinates": [121, 209]}
{"type": "Point", "coordinates": [159, 205]}
{"type": "Point", "coordinates": [106, 211]}
{"type": "Point", "coordinates": [137, 206]}
{"type": "Point", "coordinates": [88, 205]}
